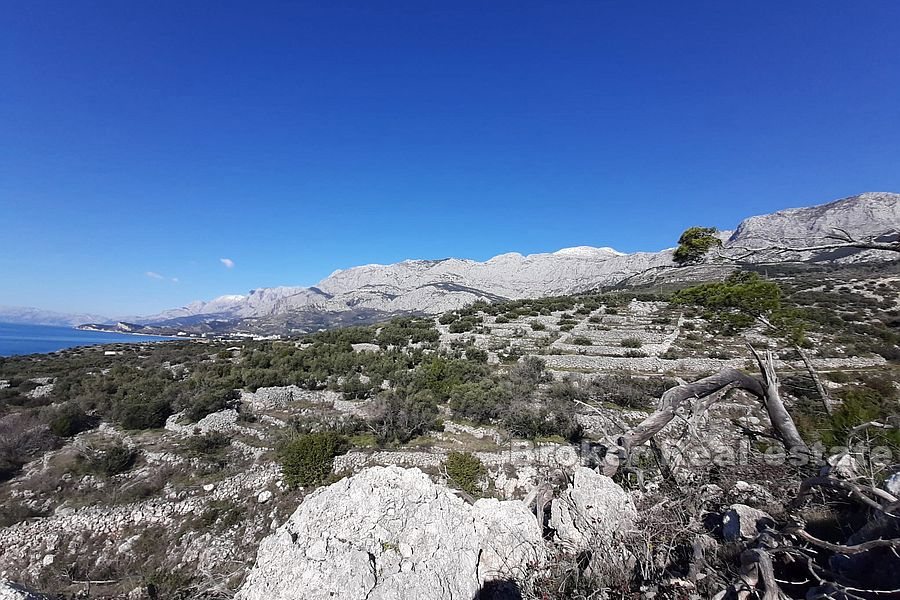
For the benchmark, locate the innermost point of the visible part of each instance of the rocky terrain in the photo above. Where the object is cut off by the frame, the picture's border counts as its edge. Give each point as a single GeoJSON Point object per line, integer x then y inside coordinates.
{"type": "Point", "coordinates": [478, 453]}
{"type": "Point", "coordinates": [372, 292]}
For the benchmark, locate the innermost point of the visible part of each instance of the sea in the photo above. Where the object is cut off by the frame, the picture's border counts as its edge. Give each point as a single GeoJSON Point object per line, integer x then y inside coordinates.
{"type": "Point", "coordinates": [32, 339]}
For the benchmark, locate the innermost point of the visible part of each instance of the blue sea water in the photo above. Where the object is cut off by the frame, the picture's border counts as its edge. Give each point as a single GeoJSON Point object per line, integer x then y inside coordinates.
{"type": "Point", "coordinates": [32, 339]}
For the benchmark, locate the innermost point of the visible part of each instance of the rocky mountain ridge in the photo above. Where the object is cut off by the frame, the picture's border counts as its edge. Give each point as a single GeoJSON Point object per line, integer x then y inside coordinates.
{"type": "Point", "coordinates": [23, 315]}
{"type": "Point", "coordinates": [370, 292]}
{"type": "Point", "coordinates": [435, 286]}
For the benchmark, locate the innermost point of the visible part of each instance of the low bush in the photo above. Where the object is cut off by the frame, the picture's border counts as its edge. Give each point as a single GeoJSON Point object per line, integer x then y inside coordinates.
{"type": "Point", "coordinates": [208, 444]}
{"type": "Point", "coordinates": [465, 471]}
{"type": "Point", "coordinates": [147, 414]}
{"type": "Point", "coordinates": [399, 416]}
{"type": "Point", "coordinates": [68, 420]}
{"type": "Point", "coordinates": [307, 459]}
{"type": "Point", "coordinates": [462, 325]}
{"type": "Point", "coordinates": [582, 341]}
{"type": "Point", "coordinates": [631, 343]}
{"type": "Point", "coordinates": [109, 460]}
{"type": "Point", "coordinates": [629, 391]}
{"type": "Point", "coordinates": [476, 355]}
{"type": "Point", "coordinates": [480, 402]}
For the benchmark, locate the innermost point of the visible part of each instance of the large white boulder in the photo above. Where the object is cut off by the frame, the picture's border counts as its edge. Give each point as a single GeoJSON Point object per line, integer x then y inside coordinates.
{"type": "Point", "coordinates": [595, 509]}
{"type": "Point", "coordinates": [391, 533]}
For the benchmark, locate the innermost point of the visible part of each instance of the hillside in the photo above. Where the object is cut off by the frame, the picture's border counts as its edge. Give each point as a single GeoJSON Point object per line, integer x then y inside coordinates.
{"type": "Point", "coordinates": [160, 470]}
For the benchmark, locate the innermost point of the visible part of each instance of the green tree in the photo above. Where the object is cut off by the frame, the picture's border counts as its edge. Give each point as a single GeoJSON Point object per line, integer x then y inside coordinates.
{"type": "Point", "coordinates": [694, 243]}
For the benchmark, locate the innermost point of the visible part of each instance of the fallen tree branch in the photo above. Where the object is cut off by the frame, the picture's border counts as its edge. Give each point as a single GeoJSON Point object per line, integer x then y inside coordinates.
{"type": "Point", "coordinates": [852, 490]}
{"type": "Point", "coordinates": [841, 548]}
{"type": "Point", "coordinates": [676, 397]}
{"type": "Point", "coordinates": [781, 419]}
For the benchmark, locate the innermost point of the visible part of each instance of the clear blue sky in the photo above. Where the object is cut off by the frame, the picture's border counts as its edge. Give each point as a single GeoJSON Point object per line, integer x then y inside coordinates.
{"type": "Point", "coordinates": [295, 138]}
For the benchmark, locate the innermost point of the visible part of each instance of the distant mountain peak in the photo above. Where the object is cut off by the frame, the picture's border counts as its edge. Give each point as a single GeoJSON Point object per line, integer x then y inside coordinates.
{"type": "Point", "coordinates": [589, 251]}
{"type": "Point", "coordinates": [373, 291]}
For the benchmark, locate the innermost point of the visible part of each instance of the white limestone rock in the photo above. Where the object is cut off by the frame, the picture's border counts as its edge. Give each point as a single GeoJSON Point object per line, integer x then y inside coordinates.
{"type": "Point", "coordinates": [14, 591]}
{"type": "Point", "coordinates": [743, 522]}
{"type": "Point", "coordinates": [595, 510]}
{"type": "Point", "coordinates": [391, 533]}
{"type": "Point", "coordinates": [892, 484]}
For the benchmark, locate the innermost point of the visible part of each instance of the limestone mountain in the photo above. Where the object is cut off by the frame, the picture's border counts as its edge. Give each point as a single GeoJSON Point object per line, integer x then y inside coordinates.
{"type": "Point", "coordinates": [432, 286]}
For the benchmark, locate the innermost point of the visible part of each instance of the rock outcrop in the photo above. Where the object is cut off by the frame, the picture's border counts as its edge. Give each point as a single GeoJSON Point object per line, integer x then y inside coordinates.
{"type": "Point", "coordinates": [13, 591]}
{"type": "Point", "coordinates": [594, 512]}
{"type": "Point", "coordinates": [866, 215]}
{"type": "Point", "coordinates": [391, 533]}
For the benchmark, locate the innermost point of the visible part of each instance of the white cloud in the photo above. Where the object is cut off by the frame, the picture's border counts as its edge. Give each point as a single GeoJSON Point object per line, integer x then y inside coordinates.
{"type": "Point", "coordinates": [174, 280]}
{"type": "Point", "coordinates": [229, 264]}
{"type": "Point", "coordinates": [153, 275]}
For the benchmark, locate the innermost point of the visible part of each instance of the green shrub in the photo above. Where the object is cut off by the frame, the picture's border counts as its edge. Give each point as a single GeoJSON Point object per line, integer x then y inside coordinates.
{"type": "Point", "coordinates": [476, 355]}
{"type": "Point", "coordinates": [538, 326]}
{"type": "Point", "coordinates": [208, 444]}
{"type": "Point", "coordinates": [837, 376]}
{"type": "Point", "coordinates": [461, 326]}
{"type": "Point", "coordinates": [582, 341]}
{"type": "Point", "coordinates": [480, 402]}
{"type": "Point", "coordinates": [631, 343]}
{"type": "Point", "coordinates": [209, 401]}
{"type": "Point", "coordinates": [68, 420]}
{"type": "Point", "coordinates": [307, 459]}
{"type": "Point", "coordinates": [151, 414]}
{"type": "Point", "coordinates": [629, 391]}
{"type": "Point", "coordinates": [401, 416]}
{"type": "Point", "coordinates": [110, 460]}
{"type": "Point", "coordinates": [465, 472]}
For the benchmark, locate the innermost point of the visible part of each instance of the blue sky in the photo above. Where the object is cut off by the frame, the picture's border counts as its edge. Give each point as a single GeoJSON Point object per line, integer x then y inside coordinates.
{"type": "Point", "coordinates": [295, 138]}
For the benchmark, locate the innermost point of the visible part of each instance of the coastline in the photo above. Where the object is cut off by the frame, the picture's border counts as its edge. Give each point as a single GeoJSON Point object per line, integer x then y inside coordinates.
{"type": "Point", "coordinates": [159, 335]}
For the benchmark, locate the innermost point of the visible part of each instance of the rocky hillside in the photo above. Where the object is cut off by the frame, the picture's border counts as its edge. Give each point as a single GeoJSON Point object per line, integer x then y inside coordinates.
{"type": "Point", "coordinates": [434, 286]}
{"type": "Point", "coordinates": [450, 456]}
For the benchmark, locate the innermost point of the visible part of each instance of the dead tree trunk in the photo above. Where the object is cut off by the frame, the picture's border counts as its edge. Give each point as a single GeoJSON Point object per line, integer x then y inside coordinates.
{"type": "Point", "coordinates": [675, 398]}
{"type": "Point", "coordinates": [781, 419]}
{"type": "Point", "coordinates": [678, 396]}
